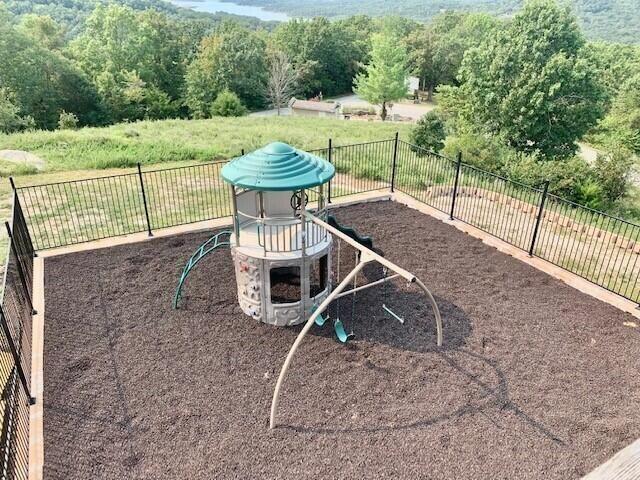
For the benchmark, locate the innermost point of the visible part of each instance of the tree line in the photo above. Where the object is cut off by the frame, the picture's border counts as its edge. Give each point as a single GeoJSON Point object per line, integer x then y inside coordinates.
{"type": "Point", "coordinates": [514, 95]}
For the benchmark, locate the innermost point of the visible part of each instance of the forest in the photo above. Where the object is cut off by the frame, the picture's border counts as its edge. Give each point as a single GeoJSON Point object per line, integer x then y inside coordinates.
{"type": "Point", "coordinates": [612, 20]}
{"type": "Point", "coordinates": [514, 94]}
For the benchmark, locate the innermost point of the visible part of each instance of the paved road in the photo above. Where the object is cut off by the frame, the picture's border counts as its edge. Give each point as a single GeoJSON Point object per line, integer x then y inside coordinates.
{"type": "Point", "coordinates": [404, 109]}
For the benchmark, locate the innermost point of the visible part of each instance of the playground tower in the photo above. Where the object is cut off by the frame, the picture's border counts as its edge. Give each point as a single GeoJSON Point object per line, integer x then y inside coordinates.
{"type": "Point", "coordinates": [282, 259]}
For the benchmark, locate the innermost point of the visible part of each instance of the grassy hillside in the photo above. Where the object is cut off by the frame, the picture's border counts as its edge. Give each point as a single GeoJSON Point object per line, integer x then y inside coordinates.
{"type": "Point", "coordinates": [151, 142]}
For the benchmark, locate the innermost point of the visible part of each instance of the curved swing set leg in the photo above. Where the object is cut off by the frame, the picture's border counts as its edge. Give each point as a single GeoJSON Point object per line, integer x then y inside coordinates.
{"type": "Point", "coordinates": [367, 256]}
{"type": "Point", "coordinates": [317, 313]}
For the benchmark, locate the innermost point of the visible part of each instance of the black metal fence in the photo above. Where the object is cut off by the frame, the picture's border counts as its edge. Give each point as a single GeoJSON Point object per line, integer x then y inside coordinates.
{"type": "Point", "coordinates": [15, 348]}
{"type": "Point", "coordinates": [601, 248]}
{"type": "Point", "coordinates": [598, 247]}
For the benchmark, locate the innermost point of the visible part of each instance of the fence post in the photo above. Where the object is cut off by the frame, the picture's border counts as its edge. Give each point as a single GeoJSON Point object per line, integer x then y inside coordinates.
{"type": "Point", "coordinates": [539, 219]}
{"type": "Point", "coordinates": [455, 185]}
{"type": "Point", "coordinates": [394, 164]}
{"type": "Point", "coordinates": [330, 161]}
{"type": "Point", "coordinates": [23, 279]}
{"type": "Point", "coordinates": [144, 201]}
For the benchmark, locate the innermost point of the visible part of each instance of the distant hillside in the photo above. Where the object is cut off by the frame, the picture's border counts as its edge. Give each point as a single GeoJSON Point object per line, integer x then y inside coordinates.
{"type": "Point", "coordinates": [72, 13]}
{"type": "Point", "coordinates": [612, 20]}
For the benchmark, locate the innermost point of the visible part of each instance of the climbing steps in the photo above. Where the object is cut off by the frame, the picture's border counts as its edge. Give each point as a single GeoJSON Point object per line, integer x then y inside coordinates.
{"type": "Point", "coordinates": [215, 242]}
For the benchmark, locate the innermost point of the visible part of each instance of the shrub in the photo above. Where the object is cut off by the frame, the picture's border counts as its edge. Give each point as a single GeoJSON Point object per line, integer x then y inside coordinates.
{"type": "Point", "coordinates": [67, 121]}
{"type": "Point", "coordinates": [227, 104]}
{"type": "Point", "coordinates": [429, 133]}
{"type": "Point", "coordinates": [612, 172]}
{"type": "Point", "coordinates": [10, 118]}
{"type": "Point", "coordinates": [482, 151]}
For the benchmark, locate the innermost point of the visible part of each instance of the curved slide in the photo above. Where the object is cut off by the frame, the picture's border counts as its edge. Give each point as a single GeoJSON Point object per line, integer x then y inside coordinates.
{"type": "Point", "coordinates": [364, 240]}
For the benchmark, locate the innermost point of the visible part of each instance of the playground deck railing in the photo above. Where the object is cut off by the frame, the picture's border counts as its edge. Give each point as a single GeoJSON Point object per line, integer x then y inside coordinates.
{"type": "Point", "coordinates": [601, 248]}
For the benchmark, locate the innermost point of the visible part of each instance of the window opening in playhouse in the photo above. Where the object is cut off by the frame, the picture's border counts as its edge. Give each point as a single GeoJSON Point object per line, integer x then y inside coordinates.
{"type": "Point", "coordinates": [319, 274]}
{"type": "Point", "coordinates": [285, 284]}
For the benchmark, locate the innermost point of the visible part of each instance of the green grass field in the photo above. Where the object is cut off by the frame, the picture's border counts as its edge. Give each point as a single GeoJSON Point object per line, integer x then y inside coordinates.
{"type": "Point", "coordinates": [151, 142]}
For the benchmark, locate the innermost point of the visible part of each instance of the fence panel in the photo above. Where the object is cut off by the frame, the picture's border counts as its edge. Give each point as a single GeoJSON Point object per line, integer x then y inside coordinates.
{"type": "Point", "coordinates": [361, 167]}
{"type": "Point", "coordinates": [79, 211]}
{"type": "Point", "coordinates": [177, 196]}
{"type": "Point", "coordinates": [425, 176]}
{"type": "Point", "coordinates": [14, 418]}
{"type": "Point", "coordinates": [501, 207]}
{"type": "Point", "coordinates": [15, 350]}
{"type": "Point", "coordinates": [598, 247]}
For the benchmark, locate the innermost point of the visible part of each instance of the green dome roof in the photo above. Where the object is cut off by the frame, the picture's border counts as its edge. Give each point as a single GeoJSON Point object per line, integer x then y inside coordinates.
{"type": "Point", "coordinates": [278, 167]}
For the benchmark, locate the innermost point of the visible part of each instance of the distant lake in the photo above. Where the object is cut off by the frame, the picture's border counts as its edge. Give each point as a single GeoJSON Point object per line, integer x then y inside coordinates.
{"type": "Point", "coordinates": [213, 6]}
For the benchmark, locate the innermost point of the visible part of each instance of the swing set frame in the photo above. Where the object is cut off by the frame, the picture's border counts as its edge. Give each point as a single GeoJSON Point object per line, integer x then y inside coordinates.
{"type": "Point", "coordinates": [366, 256]}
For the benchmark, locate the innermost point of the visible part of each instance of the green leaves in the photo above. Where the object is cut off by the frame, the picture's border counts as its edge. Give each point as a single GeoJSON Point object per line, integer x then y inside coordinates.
{"type": "Point", "coordinates": [529, 85]}
{"type": "Point", "coordinates": [234, 59]}
{"type": "Point", "coordinates": [385, 78]}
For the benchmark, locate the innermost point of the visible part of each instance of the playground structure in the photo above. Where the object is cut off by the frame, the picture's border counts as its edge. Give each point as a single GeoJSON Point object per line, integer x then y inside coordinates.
{"type": "Point", "coordinates": [281, 247]}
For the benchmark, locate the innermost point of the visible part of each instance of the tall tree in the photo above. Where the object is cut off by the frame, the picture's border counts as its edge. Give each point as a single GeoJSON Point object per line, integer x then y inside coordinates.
{"type": "Point", "coordinates": [322, 52]}
{"type": "Point", "coordinates": [43, 30]}
{"type": "Point", "coordinates": [282, 80]}
{"type": "Point", "coordinates": [621, 127]}
{"type": "Point", "coordinates": [436, 50]}
{"type": "Point", "coordinates": [42, 82]}
{"type": "Point", "coordinates": [385, 77]}
{"type": "Point", "coordinates": [134, 59]}
{"type": "Point", "coordinates": [529, 84]}
{"type": "Point", "coordinates": [233, 58]}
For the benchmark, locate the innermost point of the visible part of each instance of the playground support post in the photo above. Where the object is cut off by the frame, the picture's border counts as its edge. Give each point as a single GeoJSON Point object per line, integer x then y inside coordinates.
{"type": "Point", "coordinates": [310, 322]}
{"type": "Point", "coordinates": [144, 201]}
{"type": "Point", "coordinates": [455, 185]}
{"type": "Point", "coordinates": [536, 229]}
{"type": "Point", "coordinates": [394, 163]}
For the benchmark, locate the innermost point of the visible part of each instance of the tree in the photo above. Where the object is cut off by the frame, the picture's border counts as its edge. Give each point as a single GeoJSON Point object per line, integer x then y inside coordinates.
{"type": "Point", "coordinates": [325, 54]}
{"type": "Point", "coordinates": [429, 133]}
{"type": "Point", "coordinates": [282, 80]}
{"type": "Point", "coordinates": [436, 50]}
{"type": "Point", "coordinates": [10, 118]}
{"type": "Point", "coordinates": [385, 78]}
{"type": "Point", "coordinates": [134, 59]}
{"type": "Point", "coordinates": [233, 58]}
{"type": "Point", "coordinates": [621, 127]}
{"type": "Point", "coordinates": [43, 30]}
{"type": "Point", "coordinates": [227, 104]}
{"type": "Point", "coordinates": [42, 82]}
{"type": "Point", "coordinates": [529, 85]}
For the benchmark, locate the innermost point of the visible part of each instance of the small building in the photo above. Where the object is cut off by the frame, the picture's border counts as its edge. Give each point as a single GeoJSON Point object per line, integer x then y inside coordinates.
{"type": "Point", "coordinates": [312, 108]}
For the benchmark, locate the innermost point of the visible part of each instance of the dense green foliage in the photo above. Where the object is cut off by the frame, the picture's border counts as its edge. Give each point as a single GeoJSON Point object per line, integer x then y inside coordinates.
{"type": "Point", "coordinates": [42, 82]}
{"type": "Point", "coordinates": [227, 104]}
{"type": "Point", "coordinates": [429, 133]}
{"type": "Point", "coordinates": [233, 58]}
{"type": "Point", "coordinates": [437, 49]}
{"type": "Point", "coordinates": [613, 20]}
{"type": "Point", "coordinates": [515, 93]}
{"type": "Point", "coordinates": [528, 84]}
{"type": "Point", "coordinates": [72, 14]}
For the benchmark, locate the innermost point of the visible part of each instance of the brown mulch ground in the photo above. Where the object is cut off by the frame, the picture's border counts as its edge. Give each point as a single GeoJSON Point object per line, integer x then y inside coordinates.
{"type": "Point", "coordinates": [535, 380]}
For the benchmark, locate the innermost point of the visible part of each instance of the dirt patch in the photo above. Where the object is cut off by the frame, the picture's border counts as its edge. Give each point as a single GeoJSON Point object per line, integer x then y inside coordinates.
{"type": "Point", "coordinates": [535, 379]}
